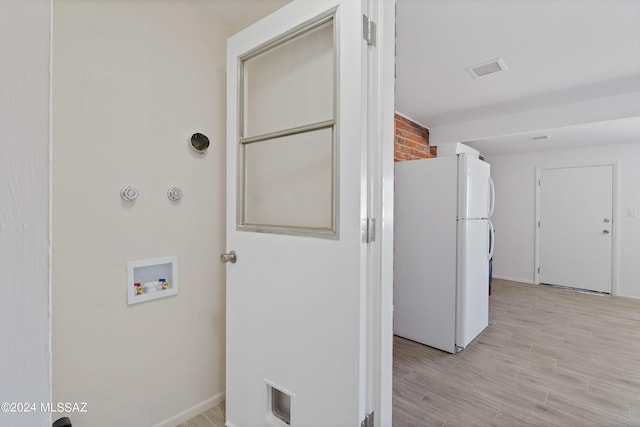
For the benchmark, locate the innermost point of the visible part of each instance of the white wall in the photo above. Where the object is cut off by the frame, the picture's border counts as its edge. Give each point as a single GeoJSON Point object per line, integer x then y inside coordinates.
{"type": "Point", "coordinates": [25, 38]}
{"type": "Point", "coordinates": [132, 80]}
{"type": "Point", "coordinates": [514, 217]}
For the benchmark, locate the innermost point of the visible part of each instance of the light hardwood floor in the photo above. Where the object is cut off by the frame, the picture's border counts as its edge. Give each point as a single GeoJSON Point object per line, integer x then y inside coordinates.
{"type": "Point", "coordinates": [550, 357]}
{"type": "Point", "coordinates": [214, 417]}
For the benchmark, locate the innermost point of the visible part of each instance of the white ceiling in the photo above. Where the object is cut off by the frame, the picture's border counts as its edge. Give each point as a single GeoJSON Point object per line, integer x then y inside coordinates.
{"type": "Point", "coordinates": [562, 56]}
{"type": "Point", "coordinates": [621, 131]}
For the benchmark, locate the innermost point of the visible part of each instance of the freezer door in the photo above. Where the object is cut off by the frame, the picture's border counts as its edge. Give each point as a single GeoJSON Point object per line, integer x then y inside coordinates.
{"type": "Point", "coordinates": [473, 187]}
{"type": "Point", "coordinates": [472, 314]}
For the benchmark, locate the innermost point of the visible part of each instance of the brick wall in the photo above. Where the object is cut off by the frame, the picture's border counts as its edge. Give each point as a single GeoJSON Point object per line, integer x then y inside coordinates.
{"type": "Point", "coordinates": [411, 141]}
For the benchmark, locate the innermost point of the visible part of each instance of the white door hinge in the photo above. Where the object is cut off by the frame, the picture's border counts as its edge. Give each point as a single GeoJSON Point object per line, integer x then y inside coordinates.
{"type": "Point", "coordinates": [368, 230]}
{"type": "Point", "coordinates": [368, 30]}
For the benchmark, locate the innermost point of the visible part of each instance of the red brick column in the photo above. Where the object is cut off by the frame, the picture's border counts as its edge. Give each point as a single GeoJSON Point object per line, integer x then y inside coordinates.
{"type": "Point", "coordinates": [411, 141]}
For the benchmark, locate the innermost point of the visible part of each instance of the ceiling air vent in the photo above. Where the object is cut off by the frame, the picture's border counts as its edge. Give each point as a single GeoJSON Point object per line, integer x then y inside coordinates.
{"type": "Point", "coordinates": [491, 67]}
{"type": "Point", "coordinates": [539, 137]}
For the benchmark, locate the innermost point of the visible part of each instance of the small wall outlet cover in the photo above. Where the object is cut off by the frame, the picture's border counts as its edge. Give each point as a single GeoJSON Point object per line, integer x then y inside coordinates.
{"type": "Point", "coordinates": [158, 277]}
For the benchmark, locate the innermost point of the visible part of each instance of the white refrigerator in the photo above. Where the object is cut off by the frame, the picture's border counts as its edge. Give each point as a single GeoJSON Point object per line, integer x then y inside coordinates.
{"type": "Point", "coordinates": [441, 255]}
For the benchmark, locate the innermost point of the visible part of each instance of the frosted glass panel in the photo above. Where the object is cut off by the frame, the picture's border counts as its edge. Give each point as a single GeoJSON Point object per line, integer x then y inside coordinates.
{"type": "Point", "coordinates": [289, 181]}
{"type": "Point", "coordinates": [278, 81]}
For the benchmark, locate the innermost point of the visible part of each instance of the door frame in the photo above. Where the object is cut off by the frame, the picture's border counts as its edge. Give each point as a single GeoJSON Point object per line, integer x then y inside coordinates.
{"type": "Point", "coordinates": [615, 191]}
{"type": "Point", "coordinates": [384, 14]}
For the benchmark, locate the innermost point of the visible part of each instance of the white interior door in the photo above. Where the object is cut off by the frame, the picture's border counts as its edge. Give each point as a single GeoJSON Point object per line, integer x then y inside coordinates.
{"type": "Point", "coordinates": [296, 196]}
{"type": "Point", "coordinates": [576, 207]}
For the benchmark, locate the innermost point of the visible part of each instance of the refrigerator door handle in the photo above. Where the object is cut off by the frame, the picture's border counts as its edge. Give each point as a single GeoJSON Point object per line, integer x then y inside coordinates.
{"type": "Point", "coordinates": [492, 238]}
{"type": "Point", "coordinates": [492, 197]}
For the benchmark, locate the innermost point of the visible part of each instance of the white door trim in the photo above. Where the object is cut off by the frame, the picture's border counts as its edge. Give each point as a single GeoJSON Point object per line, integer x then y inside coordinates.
{"type": "Point", "coordinates": [615, 223]}
{"type": "Point", "coordinates": [381, 110]}
{"type": "Point", "coordinates": [386, 39]}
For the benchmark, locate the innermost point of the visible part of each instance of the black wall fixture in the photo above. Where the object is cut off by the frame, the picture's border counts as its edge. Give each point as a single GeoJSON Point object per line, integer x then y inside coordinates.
{"type": "Point", "coordinates": [199, 142]}
{"type": "Point", "coordinates": [62, 422]}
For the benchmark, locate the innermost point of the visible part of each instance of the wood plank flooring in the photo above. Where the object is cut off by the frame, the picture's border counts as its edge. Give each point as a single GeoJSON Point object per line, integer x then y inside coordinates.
{"type": "Point", "coordinates": [214, 417]}
{"type": "Point", "coordinates": [550, 357]}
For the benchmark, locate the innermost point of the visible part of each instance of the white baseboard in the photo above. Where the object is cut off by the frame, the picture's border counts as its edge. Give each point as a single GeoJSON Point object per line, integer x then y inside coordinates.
{"type": "Point", "coordinates": [514, 279]}
{"type": "Point", "coordinates": [195, 410]}
{"type": "Point", "coordinates": [627, 296]}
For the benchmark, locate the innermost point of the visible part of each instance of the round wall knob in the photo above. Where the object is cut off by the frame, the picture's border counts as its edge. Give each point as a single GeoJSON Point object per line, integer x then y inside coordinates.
{"type": "Point", "coordinates": [128, 193]}
{"type": "Point", "coordinates": [174, 194]}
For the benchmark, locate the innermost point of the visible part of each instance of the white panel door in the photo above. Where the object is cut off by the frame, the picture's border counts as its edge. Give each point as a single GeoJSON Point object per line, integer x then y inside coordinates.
{"type": "Point", "coordinates": [296, 196]}
{"type": "Point", "coordinates": [576, 227]}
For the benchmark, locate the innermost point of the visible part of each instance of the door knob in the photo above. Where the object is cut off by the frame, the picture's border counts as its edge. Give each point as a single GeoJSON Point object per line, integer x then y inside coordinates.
{"type": "Point", "coordinates": [230, 257]}
{"type": "Point", "coordinates": [603, 232]}
{"type": "Point", "coordinates": [606, 220]}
